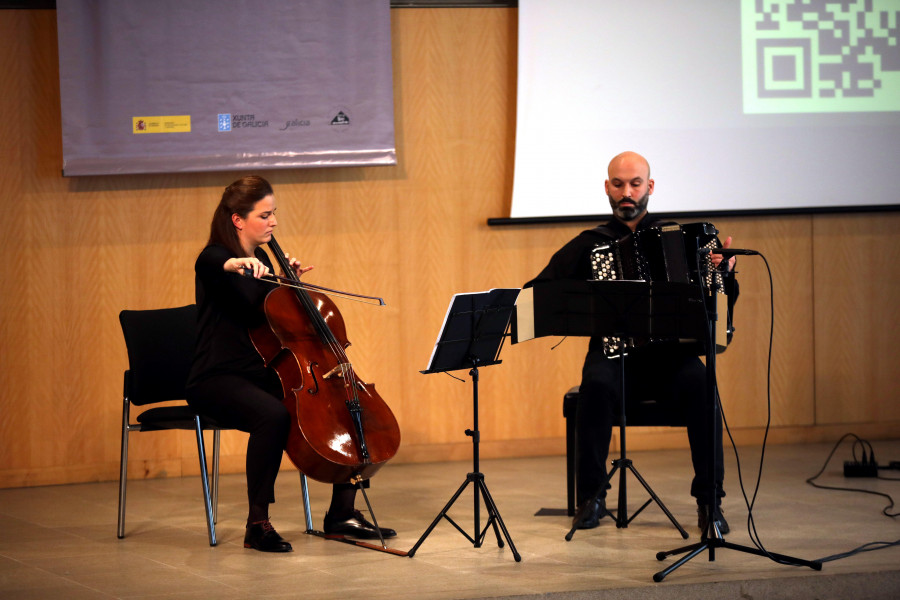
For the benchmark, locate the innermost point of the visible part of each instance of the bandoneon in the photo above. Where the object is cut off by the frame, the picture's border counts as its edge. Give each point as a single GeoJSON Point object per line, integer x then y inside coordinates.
{"type": "Point", "coordinates": [667, 253]}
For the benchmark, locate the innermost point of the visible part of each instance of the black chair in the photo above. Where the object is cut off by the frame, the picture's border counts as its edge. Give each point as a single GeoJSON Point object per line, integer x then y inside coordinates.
{"type": "Point", "coordinates": [160, 347]}
{"type": "Point", "coordinates": [641, 412]}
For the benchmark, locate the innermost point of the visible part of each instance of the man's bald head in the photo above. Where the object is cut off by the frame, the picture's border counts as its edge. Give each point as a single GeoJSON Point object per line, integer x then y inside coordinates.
{"type": "Point", "coordinates": [629, 159]}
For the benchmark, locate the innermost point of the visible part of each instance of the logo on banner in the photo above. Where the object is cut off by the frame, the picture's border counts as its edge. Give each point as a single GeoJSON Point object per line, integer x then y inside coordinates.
{"type": "Point", "coordinates": [341, 119]}
{"type": "Point", "coordinates": [161, 124]}
{"type": "Point", "coordinates": [225, 122]}
{"type": "Point", "coordinates": [244, 121]}
{"type": "Point", "coordinates": [295, 123]}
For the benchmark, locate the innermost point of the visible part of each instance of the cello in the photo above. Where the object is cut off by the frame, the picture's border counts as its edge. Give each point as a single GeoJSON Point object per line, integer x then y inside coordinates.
{"type": "Point", "coordinates": [341, 428]}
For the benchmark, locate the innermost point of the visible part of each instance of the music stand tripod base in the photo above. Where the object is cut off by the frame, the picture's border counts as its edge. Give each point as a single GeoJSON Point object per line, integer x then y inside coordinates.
{"type": "Point", "coordinates": [624, 465]}
{"type": "Point", "coordinates": [477, 478]}
{"type": "Point", "coordinates": [621, 518]}
{"type": "Point", "coordinates": [494, 519]}
{"type": "Point", "coordinates": [471, 336]}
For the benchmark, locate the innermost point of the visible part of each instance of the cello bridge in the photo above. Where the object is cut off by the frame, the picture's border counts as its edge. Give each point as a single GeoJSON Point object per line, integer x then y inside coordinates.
{"type": "Point", "coordinates": [340, 369]}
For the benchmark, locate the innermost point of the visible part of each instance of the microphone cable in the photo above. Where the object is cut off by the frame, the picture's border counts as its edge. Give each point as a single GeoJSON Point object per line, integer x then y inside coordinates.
{"type": "Point", "coordinates": [750, 503]}
{"type": "Point", "coordinates": [870, 546]}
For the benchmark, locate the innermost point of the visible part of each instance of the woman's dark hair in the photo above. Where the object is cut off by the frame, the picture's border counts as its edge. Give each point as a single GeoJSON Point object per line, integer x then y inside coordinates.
{"type": "Point", "coordinates": [238, 198]}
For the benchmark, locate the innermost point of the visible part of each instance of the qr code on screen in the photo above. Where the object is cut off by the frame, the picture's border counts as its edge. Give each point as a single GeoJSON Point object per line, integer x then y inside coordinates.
{"type": "Point", "coordinates": [821, 55]}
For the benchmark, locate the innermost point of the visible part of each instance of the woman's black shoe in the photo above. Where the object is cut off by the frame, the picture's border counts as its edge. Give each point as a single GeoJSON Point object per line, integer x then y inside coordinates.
{"type": "Point", "coordinates": [356, 526]}
{"type": "Point", "coordinates": [263, 537]}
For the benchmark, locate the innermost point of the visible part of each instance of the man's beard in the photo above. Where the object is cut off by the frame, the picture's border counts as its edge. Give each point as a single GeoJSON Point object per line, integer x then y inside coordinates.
{"type": "Point", "coordinates": [629, 213]}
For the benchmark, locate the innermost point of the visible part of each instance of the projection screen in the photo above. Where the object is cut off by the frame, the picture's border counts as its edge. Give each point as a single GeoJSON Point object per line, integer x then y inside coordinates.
{"type": "Point", "coordinates": [741, 106]}
{"type": "Point", "coordinates": [205, 85]}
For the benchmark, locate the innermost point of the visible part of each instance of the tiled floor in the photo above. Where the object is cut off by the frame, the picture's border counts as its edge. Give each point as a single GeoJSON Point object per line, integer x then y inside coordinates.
{"type": "Point", "coordinates": [60, 542]}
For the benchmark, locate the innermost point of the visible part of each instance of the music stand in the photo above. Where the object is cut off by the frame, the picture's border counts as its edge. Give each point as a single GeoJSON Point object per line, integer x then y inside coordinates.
{"type": "Point", "coordinates": [471, 337]}
{"type": "Point", "coordinates": [617, 308]}
{"type": "Point", "coordinates": [712, 538]}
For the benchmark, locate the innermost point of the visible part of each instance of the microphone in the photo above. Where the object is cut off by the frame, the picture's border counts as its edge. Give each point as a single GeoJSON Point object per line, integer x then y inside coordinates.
{"type": "Point", "coordinates": [727, 252]}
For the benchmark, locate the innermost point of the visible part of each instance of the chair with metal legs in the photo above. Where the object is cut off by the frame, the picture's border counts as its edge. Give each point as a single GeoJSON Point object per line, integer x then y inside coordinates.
{"type": "Point", "coordinates": [160, 346]}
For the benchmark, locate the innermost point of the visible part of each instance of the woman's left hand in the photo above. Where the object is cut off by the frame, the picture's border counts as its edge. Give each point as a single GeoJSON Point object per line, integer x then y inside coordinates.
{"type": "Point", "coordinates": [295, 265]}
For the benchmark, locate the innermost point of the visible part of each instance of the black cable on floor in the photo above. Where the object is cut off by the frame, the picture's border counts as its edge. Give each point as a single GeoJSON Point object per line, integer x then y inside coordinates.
{"type": "Point", "coordinates": [864, 548]}
{"type": "Point", "coordinates": [812, 481]}
{"type": "Point", "coordinates": [858, 442]}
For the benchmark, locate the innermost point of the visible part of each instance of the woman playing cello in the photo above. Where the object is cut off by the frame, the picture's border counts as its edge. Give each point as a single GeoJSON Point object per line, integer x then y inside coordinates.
{"type": "Point", "coordinates": [229, 381]}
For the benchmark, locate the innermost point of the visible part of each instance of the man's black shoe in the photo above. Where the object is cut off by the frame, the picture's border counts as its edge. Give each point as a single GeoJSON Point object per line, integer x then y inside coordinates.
{"type": "Point", "coordinates": [356, 526]}
{"type": "Point", "coordinates": [591, 517]}
{"type": "Point", "coordinates": [703, 520]}
{"type": "Point", "coordinates": [263, 537]}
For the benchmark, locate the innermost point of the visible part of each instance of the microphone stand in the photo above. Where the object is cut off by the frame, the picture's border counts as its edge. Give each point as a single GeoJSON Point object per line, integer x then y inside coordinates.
{"type": "Point", "coordinates": [711, 539]}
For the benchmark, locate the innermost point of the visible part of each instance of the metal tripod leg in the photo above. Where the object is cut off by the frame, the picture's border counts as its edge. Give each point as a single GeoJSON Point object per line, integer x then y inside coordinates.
{"type": "Point", "coordinates": [622, 519]}
{"type": "Point", "coordinates": [494, 518]}
{"type": "Point", "coordinates": [718, 542]}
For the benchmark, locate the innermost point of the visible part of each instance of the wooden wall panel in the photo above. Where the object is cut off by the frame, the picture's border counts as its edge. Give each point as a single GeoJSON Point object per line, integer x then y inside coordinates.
{"type": "Point", "coordinates": [857, 315]}
{"type": "Point", "coordinates": [78, 250]}
{"type": "Point", "coordinates": [743, 369]}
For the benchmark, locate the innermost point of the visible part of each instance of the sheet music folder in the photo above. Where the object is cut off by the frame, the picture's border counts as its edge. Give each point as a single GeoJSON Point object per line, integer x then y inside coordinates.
{"type": "Point", "coordinates": [637, 309]}
{"type": "Point", "coordinates": [473, 330]}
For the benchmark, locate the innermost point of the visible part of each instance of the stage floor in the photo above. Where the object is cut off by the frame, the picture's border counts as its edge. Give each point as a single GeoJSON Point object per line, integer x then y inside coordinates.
{"type": "Point", "coordinates": [60, 541]}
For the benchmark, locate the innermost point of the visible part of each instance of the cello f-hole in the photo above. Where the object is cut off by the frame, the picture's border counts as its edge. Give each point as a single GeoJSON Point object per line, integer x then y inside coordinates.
{"type": "Point", "coordinates": [310, 368]}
